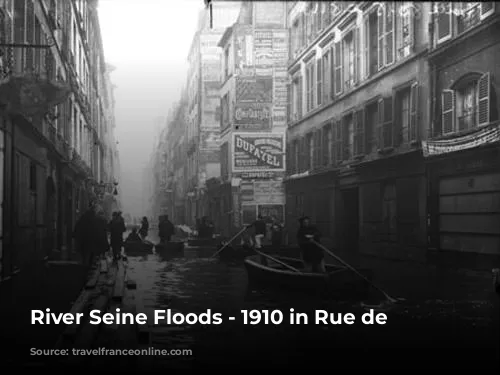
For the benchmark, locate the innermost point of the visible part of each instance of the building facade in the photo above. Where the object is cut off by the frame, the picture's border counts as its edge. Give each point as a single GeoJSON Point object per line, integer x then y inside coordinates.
{"type": "Point", "coordinates": [55, 125]}
{"type": "Point", "coordinates": [203, 83]}
{"type": "Point", "coordinates": [358, 109]}
{"type": "Point", "coordinates": [253, 98]}
{"type": "Point", "coordinates": [462, 152]}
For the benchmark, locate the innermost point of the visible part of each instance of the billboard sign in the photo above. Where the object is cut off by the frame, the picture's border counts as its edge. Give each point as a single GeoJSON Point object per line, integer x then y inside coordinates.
{"type": "Point", "coordinates": [254, 89]}
{"type": "Point", "coordinates": [258, 152]}
{"type": "Point", "coordinates": [244, 52]}
{"type": "Point", "coordinates": [263, 48]}
{"type": "Point", "coordinates": [252, 116]}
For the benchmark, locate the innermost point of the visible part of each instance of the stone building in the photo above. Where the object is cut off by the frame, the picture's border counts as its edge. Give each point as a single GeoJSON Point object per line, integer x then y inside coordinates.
{"type": "Point", "coordinates": [54, 121]}
{"type": "Point", "coordinates": [358, 109]}
{"type": "Point", "coordinates": [203, 81]}
{"type": "Point", "coordinates": [462, 151]}
{"type": "Point", "coordinates": [253, 117]}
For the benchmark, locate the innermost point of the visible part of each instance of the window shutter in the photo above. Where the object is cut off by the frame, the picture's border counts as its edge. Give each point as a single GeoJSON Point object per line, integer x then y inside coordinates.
{"type": "Point", "coordinates": [319, 147]}
{"type": "Point", "coordinates": [313, 86]}
{"type": "Point", "coordinates": [388, 122]}
{"type": "Point", "coordinates": [389, 33]}
{"type": "Point", "coordinates": [366, 48]}
{"type": "Point", "coordinates": [289, 101]}
{"type": "Point", "coordinates": [302, 154]}
{"type": "Point", "coordinates": [319, 81]}
{"type": "Point", "coordinates": [380, 36]}
{"type": "Point", "coordinates": [338, 68]}
{"type": "Point", "coordinates": [487, 8]}
{"type": "Point", "coordinates": [414, 98]}
{"type": "Point", "coordinates": [338, 144]}
{"type": "Point", "coordinates": [326, 77]}
{"type": "Point", "coordinates": [444, 21]}
{"type": "Point", "coordinates": [357, 66]}
{"type": "Point", "coordinates": [380, 124]}
{"type": "Point", "coordinates": [325, 146]}
{"type": "Point", "coordinates": [300, 94]}
{"type": "Point", "coordinates": [483, 96]}
{"type": "Point", "coordinates": [411, 30]}
{"type": "Point", "coordinates": [359, 128]}
{"type": "Point", "coordinates": [355, 145]}
{"type": "Point", "coordinates": [332, 72]}
{"type": "Point", "coordinates": [448, 111]}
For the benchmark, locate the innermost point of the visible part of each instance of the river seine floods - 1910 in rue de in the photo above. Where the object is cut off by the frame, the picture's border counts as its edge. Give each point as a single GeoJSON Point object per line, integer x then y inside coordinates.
{"type": "Point", "coordinates": [256, 184]}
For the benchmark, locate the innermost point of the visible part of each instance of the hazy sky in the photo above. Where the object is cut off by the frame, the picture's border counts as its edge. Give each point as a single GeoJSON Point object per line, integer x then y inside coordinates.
{"type": "Point", "coordinates": [147, 41]}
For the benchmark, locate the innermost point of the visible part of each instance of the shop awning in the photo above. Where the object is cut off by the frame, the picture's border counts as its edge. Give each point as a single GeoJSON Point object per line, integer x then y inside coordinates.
{"type": "Point", "coordinates": [480, 137]}
{"type": "Point", "coordinates": [32, 96]}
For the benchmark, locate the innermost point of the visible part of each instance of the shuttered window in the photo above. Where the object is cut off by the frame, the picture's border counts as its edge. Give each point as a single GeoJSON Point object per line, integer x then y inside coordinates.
{"type": "Point", "coordinates": [413, 124]}
{"type": "Point", "coordinates": [385, 128]}
{"type": "Point", "coordinates": [326, 77]}
{"type": "Point", "coordinates": [319, 82]}
{"type": "Point", "coordinates": [483, 93]}
{"type": "Point", "coordinates": [359, 133]}
{"type": "Point", "coordinates": [389, 33]}
{"type": "Point", "coordinates": [326, 144]}
{"type": "Point", "coordinates": [337, 141]}
{"type": "Point", "coordinates": [448, 111]}
{"type": "Point", "coordinates": [444, 20]}
{"type": "Point", "coordinates": [338, 68]}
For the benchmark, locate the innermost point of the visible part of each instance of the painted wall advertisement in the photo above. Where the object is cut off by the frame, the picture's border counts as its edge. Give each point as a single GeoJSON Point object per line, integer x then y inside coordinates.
{"type": "Point", "coordinates": [268, 192]}
{"type": "Point", "coordinates": [280, 47]}
{"type": "Point", "coordinates": [263, 49]}
{"type": "Point", "coordinates": [244, 59]}
{"type": "Point", "coordinates": [252, 116]}
{"type": "Point", "coordinates": [258, 152]}
{"type": "Point", "coordinates": [280, 96]}
{"type": "Point", "coordinates": [270, 14]}
{"type": "Point", "coordinates": [254, 89]}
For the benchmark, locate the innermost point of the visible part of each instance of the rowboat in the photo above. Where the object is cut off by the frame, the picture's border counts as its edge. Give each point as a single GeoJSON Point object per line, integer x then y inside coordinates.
{"type": "Point", "coordinates": [234, 252]}
{"type": "Point", "coordinates": [172, 246]}
{"type": "Point", "coordinates": [337, 279]}
{"type": "Point", "coordinates": [138, 248]}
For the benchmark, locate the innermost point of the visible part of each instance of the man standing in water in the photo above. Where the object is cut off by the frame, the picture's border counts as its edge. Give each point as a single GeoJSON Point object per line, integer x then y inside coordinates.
{"type": "Point", "coordinates": [311, 255]}
{"type": "Point", "coordinates": [166, 229]}
{"type": "Point", "coordinates": [117, 228]}
{"type": "Point", "coordinates": [85, 235]}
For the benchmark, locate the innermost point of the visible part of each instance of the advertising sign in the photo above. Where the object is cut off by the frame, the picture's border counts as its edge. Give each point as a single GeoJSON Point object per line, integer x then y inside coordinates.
{"type": "Point", "coordinates": [279, 116]}
{"type": "Point", "coordinates": [254, 152]}
{"type": "Point", "coordinates": [280, 94]}
{"type": "Point", "coordinates": [209, 140]}
{"type": "Point", "coordinates": [269, 192]}
{"type": "Point", "coordinates": [263, 49]}
{"type": "Point", "coordinates": [280, 72]}
{"type": "Point", "coordinates": [272, 211]}
{"type": "Point", "coordinates": [254, 89]}
{"type": "Point", "coordinates": [270, 14]}
{"type": "Point", "coordinates": [244, 60]}
{"type": "Point", "coordinates": [252, 116]}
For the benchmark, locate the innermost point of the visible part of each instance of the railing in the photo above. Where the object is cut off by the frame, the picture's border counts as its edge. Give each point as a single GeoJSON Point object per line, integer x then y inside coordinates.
{"type": "Point", "coordinates": [469, 18]}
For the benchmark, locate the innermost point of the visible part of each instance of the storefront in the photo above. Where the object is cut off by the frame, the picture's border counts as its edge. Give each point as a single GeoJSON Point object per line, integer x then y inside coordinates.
{"type": "Point", "coordinates": [464, 194]}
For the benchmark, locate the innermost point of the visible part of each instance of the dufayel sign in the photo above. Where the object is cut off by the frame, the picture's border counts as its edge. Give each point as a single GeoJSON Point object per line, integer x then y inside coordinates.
{"type": "Point", "coordinates": [258, 152]}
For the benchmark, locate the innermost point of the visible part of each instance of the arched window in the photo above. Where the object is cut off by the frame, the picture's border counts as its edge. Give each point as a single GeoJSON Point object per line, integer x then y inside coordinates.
{"type": "Point", "coordinates": [469, 103]}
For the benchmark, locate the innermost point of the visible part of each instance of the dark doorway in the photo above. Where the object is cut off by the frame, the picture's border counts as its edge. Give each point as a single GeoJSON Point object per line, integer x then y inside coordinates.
{"type": "Point", "coordinates": [350, 225]}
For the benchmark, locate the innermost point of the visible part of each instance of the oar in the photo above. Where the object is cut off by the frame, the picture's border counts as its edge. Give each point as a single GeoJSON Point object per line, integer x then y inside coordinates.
{"type": "Point", "coordinates": [277, 261]}
{"type": "Point", "coordinates": [389, 298]}
{"type": "Point", "coordinates": [229, 242]}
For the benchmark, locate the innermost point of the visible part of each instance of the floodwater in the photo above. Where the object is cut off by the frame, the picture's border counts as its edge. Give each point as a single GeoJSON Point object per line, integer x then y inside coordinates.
{"type": "Point", "coordinates": [192, 282]}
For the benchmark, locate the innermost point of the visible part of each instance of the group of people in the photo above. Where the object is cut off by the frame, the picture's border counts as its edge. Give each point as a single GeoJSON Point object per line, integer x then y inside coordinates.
{"type": "Point", "coordinates": [205, 227]}
{"type": "Point", "coordinates": [91, 234]}
{"type": "Point", "coordinates": [307, 237]}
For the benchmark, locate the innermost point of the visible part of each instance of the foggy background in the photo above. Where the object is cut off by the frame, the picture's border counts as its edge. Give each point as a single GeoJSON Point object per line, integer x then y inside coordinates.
{"type": "Point", "coordinates": [148, 42]}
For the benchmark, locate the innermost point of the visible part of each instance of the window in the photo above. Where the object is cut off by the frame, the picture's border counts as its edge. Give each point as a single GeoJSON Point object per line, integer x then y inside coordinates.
{"type": "Point", "coordinates": [468, 106]}
{"type": "Point", "coordinates": [385, 129]}
{"type": "Point", "coordinates": [310, 151]}
{"type": "Point", "coordinates": [371, 44]}
{"type": "Point", "coordinates": [319, 82]}
{"type": "Point", "coordinates": [325, 14]}
{"type": "Point", "coordinates": [225, 111]}
{"type": "Point", "coordinates": [359, 133]}
{"type": "Point", "coordinates": [317, 149]}
{"type": "Point", "coordinates": [406, 105]}
{"type": "Point", "coordinates": [385, 32]}
{"type": "Point", "coordinates": [327, 88]}
{"type": "Point", "coordinates": [349, 55]}
{"type": "Point", "coordinates": [347, 136]}
{"type": "Point", "coordinates": [327, 141]}
{"type": "Point", "coordinates": [337, 141]}
{"type": "Point", "coordinates": [226, 63]}
{"type": "Point", "coordinates": [454, 18]}
{"type": "Point", "coordinates": [371, 125]}
{"type": "Point", "coordinates": [403, 109]}
{"type": "Point", "coordinates": [338, 74]}
{"type": "Point", "coordinates": [310, 83]}
{"type": "Point", "coordinates": [404, 29]}
{"type": "Point", "coordinates": [296, 99]}
{"type": "Point", "coordinates": [295, 37]}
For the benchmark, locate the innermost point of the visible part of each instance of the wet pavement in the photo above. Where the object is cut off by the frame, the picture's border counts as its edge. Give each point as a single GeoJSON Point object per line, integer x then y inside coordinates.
{"type": "Point", "coordinates": [425, 331]}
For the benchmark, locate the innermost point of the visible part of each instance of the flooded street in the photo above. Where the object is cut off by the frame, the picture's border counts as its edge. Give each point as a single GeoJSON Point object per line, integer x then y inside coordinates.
{"type": "Point", "coordinates": [192, 282]}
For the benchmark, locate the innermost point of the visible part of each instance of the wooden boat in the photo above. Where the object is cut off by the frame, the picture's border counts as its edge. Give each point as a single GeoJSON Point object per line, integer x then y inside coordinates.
{"type": "Point", "coordinates": [172, 246]}
{"type": "Point", "coordinates": [202, 242]}
{"type": "Point", "coordinates": [337, 280]}
{"type": "Point", "coordinates": [138, 248]}
{"type": "Point", "coordinates": [235, 252]}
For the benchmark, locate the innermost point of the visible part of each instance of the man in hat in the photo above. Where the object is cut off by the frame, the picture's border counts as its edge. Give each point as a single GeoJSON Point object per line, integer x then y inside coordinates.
{"type": "Point", "coordinates": [311, 255]}
{"type": "Point", "coordinates": [85, 234]}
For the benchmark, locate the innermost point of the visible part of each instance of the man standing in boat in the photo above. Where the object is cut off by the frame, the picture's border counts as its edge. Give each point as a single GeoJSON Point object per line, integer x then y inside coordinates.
{"type": "Point", "coordinates": [311, 255]}
{"type": "Point", "coordinates": [260, 231]}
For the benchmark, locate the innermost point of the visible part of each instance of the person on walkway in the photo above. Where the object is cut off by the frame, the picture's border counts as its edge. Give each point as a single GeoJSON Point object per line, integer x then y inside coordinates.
{"type": "Point", "coordinates": [166, 229]}
{"type": "Point", "coordinates": [276, 234]}
{"type": "Point", "coordinates": [117, 228]}
{"type": "Point", "coordinates": [143, 232]}
{"type": "Point", "coordinates": [260, 231]}
{"type": "Point", "coordinates": [312, 255]}
{"type": "Point", "coordinates": [85, 235]}
{"type": "Point", "coordinates": [102, 244]}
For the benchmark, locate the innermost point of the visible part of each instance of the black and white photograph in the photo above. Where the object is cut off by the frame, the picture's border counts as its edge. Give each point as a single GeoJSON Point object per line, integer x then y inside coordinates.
{"type": "Point", "coordinates": [191, 185]}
